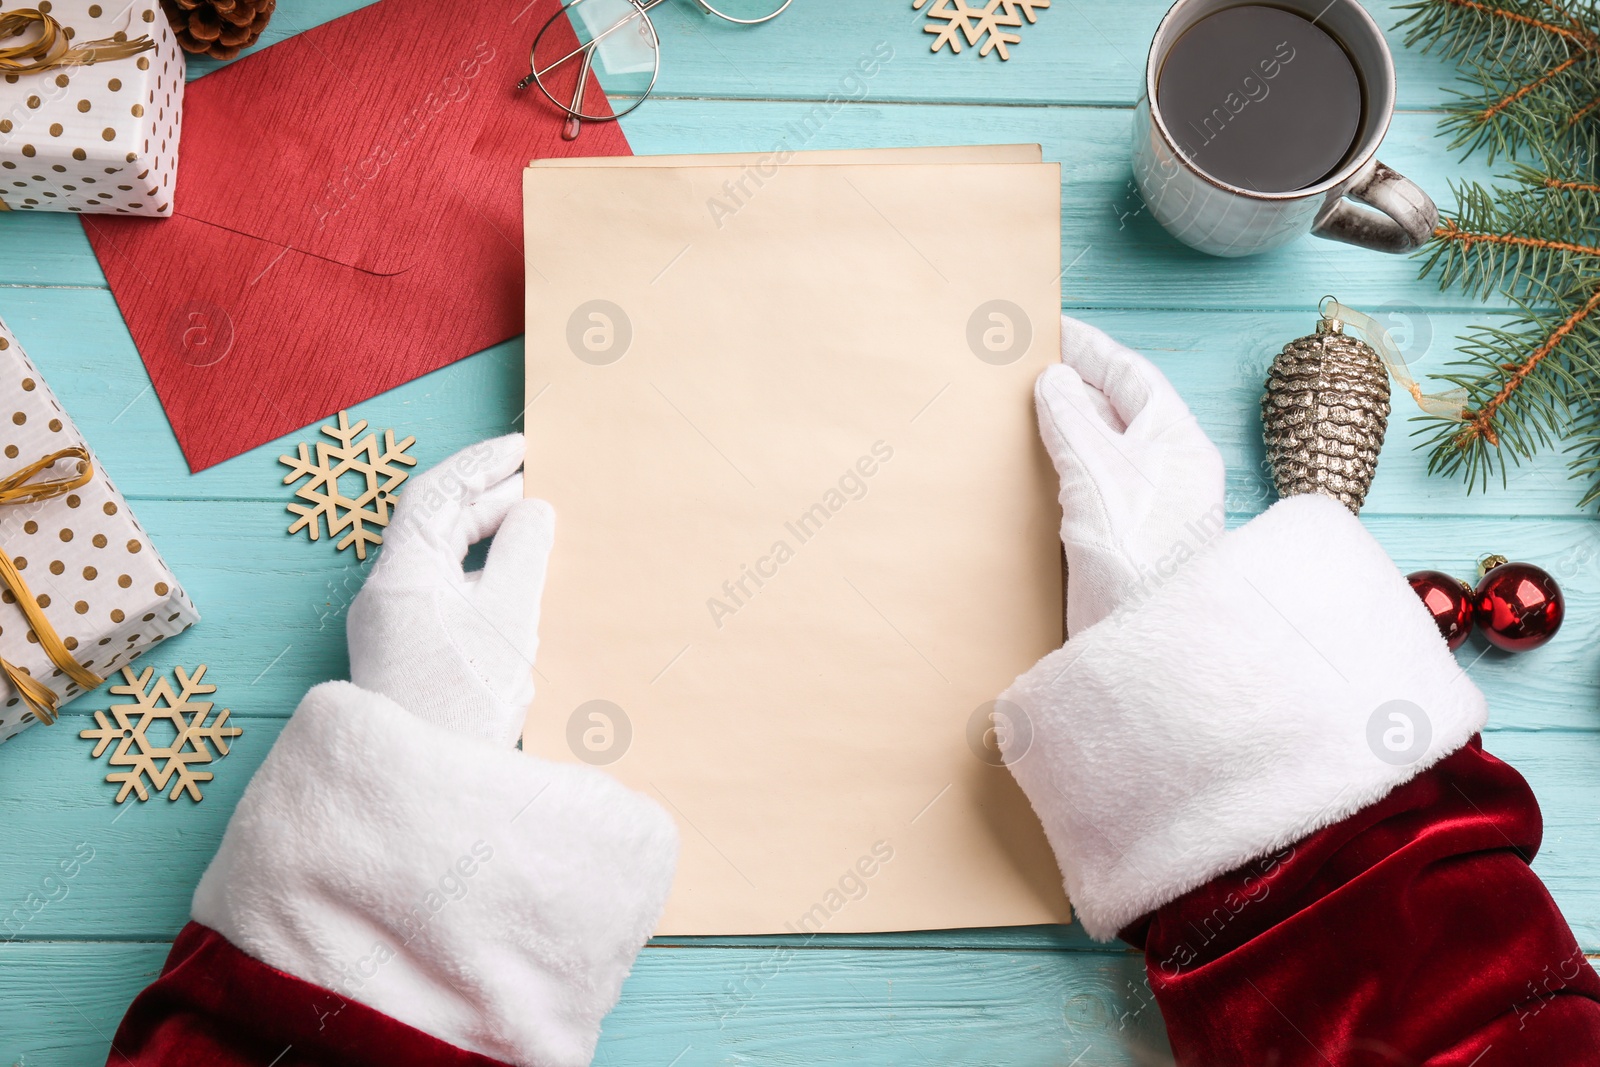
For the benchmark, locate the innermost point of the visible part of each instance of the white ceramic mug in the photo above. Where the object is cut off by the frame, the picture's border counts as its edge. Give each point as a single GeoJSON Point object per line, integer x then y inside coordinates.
{"type": "Point", "coordinates": [1226, 220]}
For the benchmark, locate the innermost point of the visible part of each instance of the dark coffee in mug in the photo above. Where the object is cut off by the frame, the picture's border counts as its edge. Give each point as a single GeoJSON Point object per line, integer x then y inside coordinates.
{"type": "Point", "coordinates": [1261, 98]}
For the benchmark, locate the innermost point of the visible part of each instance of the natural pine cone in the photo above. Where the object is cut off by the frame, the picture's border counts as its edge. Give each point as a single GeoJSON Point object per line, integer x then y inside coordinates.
{"type": "Point", "coordinates": [218, 28]}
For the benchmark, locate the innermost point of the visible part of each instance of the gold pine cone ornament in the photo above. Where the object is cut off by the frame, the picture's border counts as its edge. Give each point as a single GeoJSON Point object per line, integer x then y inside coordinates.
{"type": "Point", "coordinates": [1324, 413]}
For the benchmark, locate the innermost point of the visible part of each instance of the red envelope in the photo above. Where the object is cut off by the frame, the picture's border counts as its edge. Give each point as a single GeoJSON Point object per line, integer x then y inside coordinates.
{"type": "Point", "coordinates": [348, 218]}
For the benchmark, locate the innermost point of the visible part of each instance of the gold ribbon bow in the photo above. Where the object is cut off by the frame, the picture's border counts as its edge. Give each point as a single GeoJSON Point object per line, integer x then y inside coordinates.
{"type": "Point", "coordinates": [19, 488]}
{"type": "Point", "coordinates": [54, 48]}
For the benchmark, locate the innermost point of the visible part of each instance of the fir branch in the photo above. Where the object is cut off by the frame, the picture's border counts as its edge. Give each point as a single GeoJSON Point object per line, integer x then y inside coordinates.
{"type": "Point", "coordinates": [1516, 241]}
{"type": "Point", "coordinates": [1494, 109]}
{"type": "Point", "coordinates": [1480, 423]}
{"type": "Point", "coordinates": [1533, 64]}
{"type": "Point", "coordinates": [1533, 382]}
{"type": "Point", "coordinates": [1583, 112]}
{"type": "Point", "coordinates": [1463, 27]}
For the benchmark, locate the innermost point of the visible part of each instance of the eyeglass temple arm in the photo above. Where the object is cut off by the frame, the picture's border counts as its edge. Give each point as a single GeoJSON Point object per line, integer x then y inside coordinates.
{"type": "Point", "coordinates": [588, 48]}
{"type": "Point", "coordinates": [571, 128]}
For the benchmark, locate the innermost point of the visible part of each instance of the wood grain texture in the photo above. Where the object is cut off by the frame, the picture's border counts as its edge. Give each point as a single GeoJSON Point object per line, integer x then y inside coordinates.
{"type": "Point", "coordinates": [1217, 358]}
{"type": "Point", "coordinates": [776, 1006]}
{"type": "Point", "coordinates": [1115, 253]}
{"type": "Point", "coordinates": [160, 848]}
{"type": "Point", "coordinates": [274, 606]}
{"type": "Point", "coordinates": [1080, 52]}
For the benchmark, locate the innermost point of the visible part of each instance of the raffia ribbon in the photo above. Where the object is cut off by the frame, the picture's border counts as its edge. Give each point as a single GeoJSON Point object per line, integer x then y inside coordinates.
{"type": "Point", "coordinates": [1449, 404]}
{"type": "Point", "coordinates": [53, 48]}
{"type": "Point", "coordinates": [20, 488]}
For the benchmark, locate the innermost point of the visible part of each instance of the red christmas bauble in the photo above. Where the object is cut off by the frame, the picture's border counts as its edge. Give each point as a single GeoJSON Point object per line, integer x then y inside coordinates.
{"type": "Point", "coordinates": [1518, 606]}
{"type": "Point", "coordinates": [1450, 602]}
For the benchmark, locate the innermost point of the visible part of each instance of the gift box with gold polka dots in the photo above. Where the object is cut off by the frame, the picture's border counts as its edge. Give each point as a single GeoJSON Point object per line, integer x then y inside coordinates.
{"type": "Point", "coordinates": [96, 133]}
{"type": "Point", "coordinates": [83, 555]}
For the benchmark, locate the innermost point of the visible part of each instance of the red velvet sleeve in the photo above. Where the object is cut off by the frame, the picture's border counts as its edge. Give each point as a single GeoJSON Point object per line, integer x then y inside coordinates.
{"type": "Point", "coordinates": [1411, 933]}
{"type": "Point", "coordinates": [216, 1006]}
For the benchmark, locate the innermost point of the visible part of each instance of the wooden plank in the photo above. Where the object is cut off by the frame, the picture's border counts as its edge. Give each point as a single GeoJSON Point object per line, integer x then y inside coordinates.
{"type": "Point", "coordinates": [1560, 768]}
{"type": "Point", "coordinates": [713, 1006]}
{"type": "Point", "coordinates": [1218, 362]}
{"type": "Point", "coordinates": [719, 1006]}
{"type": "Point", "coordinates": [273, 614]}
{"type": "Point", "coordinates": [274, 605]}
{"type": "Point", "coordinates": [776, 1007]}
{"type": "Point", "coordinates": [1116, 255]}
{"type": "Point", "coordinates": [57, 804]}
{"type": "Point", "coordinates": [45, 248]}
{"type": "Point", "coordinates": [63, 1001]}
{"type": "Point", "coordinates": [1077, 53]}
{"type": "Point", "coordinates": [136, 863]}
{"type": "Point", "coordinates": [1113, 253]}
{"type": "Point", "coordinates": [1216, 359]}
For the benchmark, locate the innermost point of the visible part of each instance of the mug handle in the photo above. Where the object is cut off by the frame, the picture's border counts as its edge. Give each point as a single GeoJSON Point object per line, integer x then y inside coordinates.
{"type": "Point", "coordinates": [1404, 220]}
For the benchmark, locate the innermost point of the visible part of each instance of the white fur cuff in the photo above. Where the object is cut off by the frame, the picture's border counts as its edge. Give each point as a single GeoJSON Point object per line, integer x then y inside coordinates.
{"type": "Point", "coordinates": [490, 899]}
{"type": "Point", "coordinates": [1284, 679]}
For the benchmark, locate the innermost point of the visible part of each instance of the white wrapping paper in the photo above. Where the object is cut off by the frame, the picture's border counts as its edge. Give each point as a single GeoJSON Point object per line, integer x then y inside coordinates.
{"type": "Point", "coordinates": [85, 557]}
{"type": "Point", "coordinates": [98, 138]}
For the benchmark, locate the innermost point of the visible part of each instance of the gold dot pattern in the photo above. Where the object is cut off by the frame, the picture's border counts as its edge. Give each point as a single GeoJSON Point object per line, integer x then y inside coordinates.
{"type": "Point", "coordinates": [63, 545]}
{"type": "Point", "coordinates": [101, 138]}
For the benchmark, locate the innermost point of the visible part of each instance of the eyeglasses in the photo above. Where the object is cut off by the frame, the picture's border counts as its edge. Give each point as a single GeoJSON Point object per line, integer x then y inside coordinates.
{"type": "Point", "coordinates": [616, 41]}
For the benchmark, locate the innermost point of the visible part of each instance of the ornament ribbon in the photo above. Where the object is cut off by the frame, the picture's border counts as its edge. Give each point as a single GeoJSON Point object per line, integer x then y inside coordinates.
{"type": "Point", "coordinates": [20, 488]}
{"type": "Point", "coordinates": [53, 48]}
{"type": "Point", "coordinates": [1450, 404]}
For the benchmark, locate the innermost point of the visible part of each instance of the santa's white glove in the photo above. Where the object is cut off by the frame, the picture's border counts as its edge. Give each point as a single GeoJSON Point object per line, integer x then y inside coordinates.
{"type": "Point", "coordinates": [456, 648]}
{"type": "Point", "coordinates": [488, 898]}
{"type": "Point", "coordinates": [1223, 693]}
{"type": "Point", "coordinates": [1141, 484]}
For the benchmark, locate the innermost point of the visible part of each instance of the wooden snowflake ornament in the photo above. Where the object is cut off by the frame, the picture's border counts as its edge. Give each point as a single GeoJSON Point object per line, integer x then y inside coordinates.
{"type": "Point", "coordinates": [137, 750]}
{"type": "Point", "coordinates": [988, 21]}
{"type": "Point", "coordinates": [326, 500]}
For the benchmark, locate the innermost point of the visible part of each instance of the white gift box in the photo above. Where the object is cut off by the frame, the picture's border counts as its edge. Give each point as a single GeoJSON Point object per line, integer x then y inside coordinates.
{"type": "Point", "coordinates": [91, 566]}
{"type": "Point", "coordinates": [100, 137]}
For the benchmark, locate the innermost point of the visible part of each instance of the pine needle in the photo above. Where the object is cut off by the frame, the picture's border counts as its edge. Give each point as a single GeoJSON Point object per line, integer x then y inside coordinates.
{"type": "Point", "coordinates": [1532, 74]}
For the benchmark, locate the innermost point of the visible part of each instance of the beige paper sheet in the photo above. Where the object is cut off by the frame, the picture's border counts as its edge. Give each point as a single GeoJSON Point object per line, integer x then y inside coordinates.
{"type": "Point", "coordinates": [966, 153]}
{"type": "Point", "coordinates": [804, 532]}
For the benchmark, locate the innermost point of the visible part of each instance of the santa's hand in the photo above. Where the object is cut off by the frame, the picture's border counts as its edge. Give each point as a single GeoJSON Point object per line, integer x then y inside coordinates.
{"type": "Point", "coordinates": [1141, 484]}
{"type": "Point", "coordinates": [456, 648]}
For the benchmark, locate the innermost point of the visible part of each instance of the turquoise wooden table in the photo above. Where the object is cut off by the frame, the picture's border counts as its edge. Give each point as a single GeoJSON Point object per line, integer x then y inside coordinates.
{"type": "Point", "coordinates": [274, 605]}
